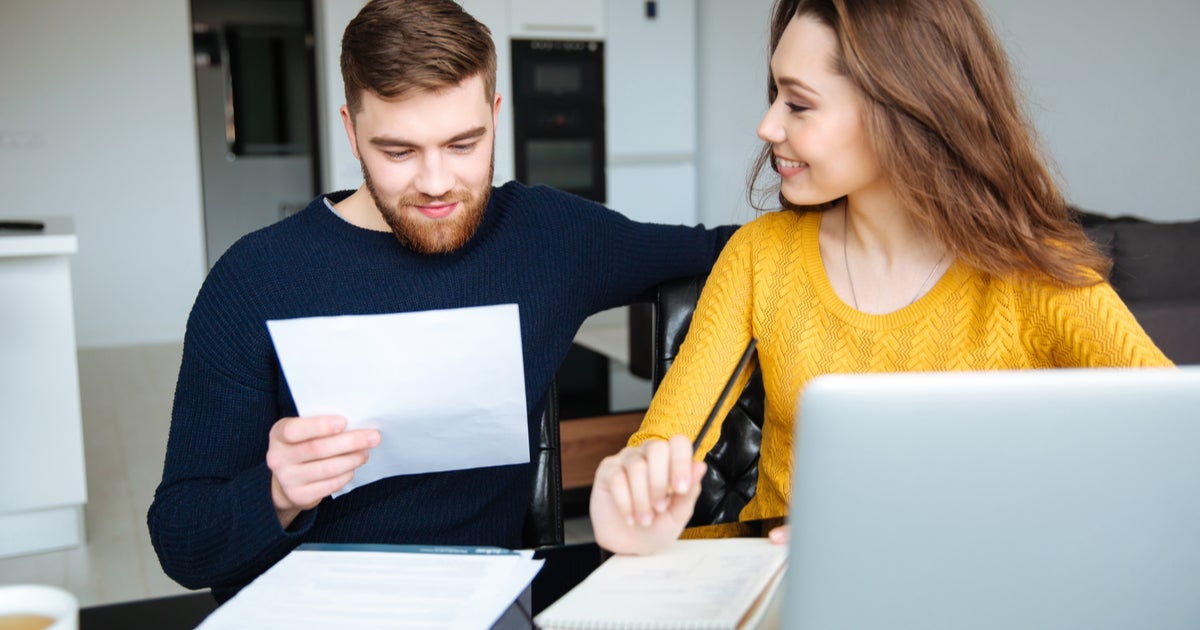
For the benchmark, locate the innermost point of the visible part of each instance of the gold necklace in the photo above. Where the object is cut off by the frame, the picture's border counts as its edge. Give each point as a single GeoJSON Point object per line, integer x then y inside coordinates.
{"type": "Point", "coordinates": [846, 262]}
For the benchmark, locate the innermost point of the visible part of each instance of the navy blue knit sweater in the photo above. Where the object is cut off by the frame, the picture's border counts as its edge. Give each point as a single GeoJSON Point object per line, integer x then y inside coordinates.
{"type": "Point", "coordinates": [558, 257]}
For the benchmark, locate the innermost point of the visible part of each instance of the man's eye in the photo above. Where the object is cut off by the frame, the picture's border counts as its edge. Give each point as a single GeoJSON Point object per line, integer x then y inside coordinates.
{"type": "Point", "coordinates": [462, 148]}
{"type": "Point", "coordinates": [397, 155]}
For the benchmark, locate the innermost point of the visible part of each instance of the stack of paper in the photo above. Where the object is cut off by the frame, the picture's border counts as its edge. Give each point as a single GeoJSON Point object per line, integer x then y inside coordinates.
{"type": "Point", "coordinates": [381, 586]}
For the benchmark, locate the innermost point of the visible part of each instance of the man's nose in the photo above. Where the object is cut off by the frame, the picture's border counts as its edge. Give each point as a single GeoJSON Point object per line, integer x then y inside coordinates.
{"type": "Point", "coordinates": [434, 178]}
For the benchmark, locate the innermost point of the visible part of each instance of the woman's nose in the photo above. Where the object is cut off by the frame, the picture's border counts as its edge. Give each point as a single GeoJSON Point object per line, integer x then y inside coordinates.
{"type": "Point", "coordinates": [769, 129]}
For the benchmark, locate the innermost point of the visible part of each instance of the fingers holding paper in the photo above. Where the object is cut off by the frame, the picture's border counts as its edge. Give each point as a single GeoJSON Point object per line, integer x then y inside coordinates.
{"type": "Point", "coordinates": [311, 458]}
{"type": "Point", "coordinates": [643, 496]}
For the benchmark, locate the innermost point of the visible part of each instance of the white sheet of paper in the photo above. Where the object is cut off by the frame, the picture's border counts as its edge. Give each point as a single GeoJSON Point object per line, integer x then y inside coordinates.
{"type": "Point", "coordinates": [389, 587]}
{"type": "Point", "coordinates": [445, 388]}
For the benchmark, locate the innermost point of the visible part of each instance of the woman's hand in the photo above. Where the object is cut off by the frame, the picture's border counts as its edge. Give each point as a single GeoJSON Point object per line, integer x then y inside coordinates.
{"type": "Point", "coordinates": [780, 535]}
{"type": "Point", "coordinates": [643, 496]}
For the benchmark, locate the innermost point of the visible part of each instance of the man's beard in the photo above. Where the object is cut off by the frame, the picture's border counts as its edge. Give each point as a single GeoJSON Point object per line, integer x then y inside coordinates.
{"type": "Point", "coordinates": [434, 236]}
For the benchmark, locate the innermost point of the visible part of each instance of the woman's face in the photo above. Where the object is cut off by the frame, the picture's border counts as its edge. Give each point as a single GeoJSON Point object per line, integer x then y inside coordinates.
{"type": "Point", "coordinates": [815, 125]}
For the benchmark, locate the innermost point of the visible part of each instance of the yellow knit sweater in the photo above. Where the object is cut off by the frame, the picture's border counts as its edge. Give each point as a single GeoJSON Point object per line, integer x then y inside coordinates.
{"type": "Point", "coordinates": [770, 284]}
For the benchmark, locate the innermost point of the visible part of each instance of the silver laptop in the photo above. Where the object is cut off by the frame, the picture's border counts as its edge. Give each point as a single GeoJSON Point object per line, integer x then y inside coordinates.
{"type": "Point", "coordinates": [1019, 499]}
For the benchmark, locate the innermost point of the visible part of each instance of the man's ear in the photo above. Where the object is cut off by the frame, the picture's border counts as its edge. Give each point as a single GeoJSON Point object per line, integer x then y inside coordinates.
{"type": "Point", "coordinates": [348, 122]}
{"type": "Point", "coordinates": [496, 111]}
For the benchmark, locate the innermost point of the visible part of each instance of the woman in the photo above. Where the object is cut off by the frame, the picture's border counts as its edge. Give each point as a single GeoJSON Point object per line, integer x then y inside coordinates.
{"type": "Point", "coordinates": [920, 231]}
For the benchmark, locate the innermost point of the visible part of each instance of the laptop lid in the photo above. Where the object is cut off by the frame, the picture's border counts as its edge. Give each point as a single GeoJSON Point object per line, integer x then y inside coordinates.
{"type": "Point", "coordinates": [1019, 499]}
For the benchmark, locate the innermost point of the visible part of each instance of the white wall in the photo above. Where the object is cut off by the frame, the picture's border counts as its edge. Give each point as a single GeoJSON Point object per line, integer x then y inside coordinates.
{"type": "Point", "coordinates": [1114, 92]}
{"type": "Point", "coordinates": [340, 171]}
{"type": "Point", "coordinates": [97, 122]}
{"type": "Point", "coordinates": [1112, 88]}
{"type": "Point", "coordinates": [732, 82]}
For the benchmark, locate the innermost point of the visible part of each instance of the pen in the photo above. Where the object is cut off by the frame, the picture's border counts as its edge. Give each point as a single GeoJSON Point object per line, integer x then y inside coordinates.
{"type": "Point", "coordinates": [712, 415]}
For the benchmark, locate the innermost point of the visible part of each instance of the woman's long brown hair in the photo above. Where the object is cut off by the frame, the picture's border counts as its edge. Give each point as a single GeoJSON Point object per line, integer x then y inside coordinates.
{"type": "Point", "coordinates": [944, 121]}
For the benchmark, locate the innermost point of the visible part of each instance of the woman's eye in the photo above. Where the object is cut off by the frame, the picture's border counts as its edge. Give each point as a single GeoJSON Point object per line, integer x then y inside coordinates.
{"type": "Point", "coordinates": [795, 108]}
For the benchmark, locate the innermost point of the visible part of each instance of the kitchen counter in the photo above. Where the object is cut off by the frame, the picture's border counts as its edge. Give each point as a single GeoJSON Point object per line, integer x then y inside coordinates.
{"type": "Point", "coordinates": [58, 237]}
{"type": "Point", "coordinates": [42, 483]}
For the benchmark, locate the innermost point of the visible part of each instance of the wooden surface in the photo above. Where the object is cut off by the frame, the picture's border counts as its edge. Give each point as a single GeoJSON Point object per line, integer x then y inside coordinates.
{"type": "Point", "coordinates": [586, 441]}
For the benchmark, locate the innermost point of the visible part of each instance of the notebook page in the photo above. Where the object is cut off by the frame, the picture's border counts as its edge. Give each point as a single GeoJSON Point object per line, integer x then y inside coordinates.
{"type": "Point", "coordinates": [711, 583]}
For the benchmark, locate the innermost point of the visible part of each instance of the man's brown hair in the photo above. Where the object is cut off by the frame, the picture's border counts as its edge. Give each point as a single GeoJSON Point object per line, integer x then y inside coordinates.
{"type": "Point", "coordinates": [944, 121]}
{"type": "Point", "coordinates": [396, 47]}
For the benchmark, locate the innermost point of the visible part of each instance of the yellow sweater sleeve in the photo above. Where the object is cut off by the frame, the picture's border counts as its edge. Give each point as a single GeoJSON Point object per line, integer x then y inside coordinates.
{"type": "Point", "coordinates": [719, 333]}
{"type": "Point", "coordinates": [1084, 327]}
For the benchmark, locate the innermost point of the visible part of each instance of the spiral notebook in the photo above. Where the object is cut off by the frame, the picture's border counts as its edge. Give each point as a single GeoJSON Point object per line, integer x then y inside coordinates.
{"type": "Point", "coordinates": [717, 584]}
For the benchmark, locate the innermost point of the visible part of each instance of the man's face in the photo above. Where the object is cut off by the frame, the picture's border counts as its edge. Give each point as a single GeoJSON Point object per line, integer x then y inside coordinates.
{"type": "Point", "coordinates": [427, 160]}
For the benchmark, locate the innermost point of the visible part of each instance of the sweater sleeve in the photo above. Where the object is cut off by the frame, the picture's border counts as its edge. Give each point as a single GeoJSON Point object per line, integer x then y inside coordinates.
{"type": "Point", "coordinates": [1086, 327]}
{"type": "Point", "coordinates": [212, 522]}
{"type": "Point", "coordinates": [647, 254]}
{"type": "Point", "coordinates": [721, 328]}
{"type": "Point", "coordinates": [623, 259]}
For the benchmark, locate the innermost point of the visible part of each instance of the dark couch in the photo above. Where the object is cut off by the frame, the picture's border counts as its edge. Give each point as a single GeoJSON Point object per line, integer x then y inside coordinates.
{"type": "Point", "coordinates": [1156, 271]}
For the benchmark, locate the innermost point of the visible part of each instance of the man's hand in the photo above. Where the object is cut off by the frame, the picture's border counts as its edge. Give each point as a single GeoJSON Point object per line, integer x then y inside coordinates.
{"type": "Point", "coordinates": [310, 459]}
{"type": "Point", "coordinates": [643, 496]}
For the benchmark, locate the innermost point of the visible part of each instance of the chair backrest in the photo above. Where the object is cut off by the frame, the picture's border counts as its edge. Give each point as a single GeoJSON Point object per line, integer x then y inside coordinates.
{"type": "Point", "coordinates": [732, 476]}
{"type": "Point", "coordinates": [544, 521]}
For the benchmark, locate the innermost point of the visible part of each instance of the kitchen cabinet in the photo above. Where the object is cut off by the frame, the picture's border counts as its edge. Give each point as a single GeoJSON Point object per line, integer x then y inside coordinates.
{"type": "Point", "coordinates": [42, 482]}
{"type": "Point", "coordinates": [650, 80]}
{"type": "Point", "coordinates": [650, 75]}
{"type": "Point", "coordinates": [557, 19]}
{"type": "Point", "coordinates": [650, 83]}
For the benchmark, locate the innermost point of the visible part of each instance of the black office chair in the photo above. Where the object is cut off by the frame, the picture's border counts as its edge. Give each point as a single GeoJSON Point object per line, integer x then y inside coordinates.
{"type": "Point", "coordinates": [544, 521]}
{"type": "Point", "coordinates": [732, 476]}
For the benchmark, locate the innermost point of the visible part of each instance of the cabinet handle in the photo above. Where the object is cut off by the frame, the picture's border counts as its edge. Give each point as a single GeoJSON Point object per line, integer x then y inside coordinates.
{"type": "Point", "coordinates": [570, 28]}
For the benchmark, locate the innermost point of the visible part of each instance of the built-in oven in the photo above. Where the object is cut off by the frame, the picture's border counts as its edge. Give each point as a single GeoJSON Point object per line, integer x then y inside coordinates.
{"type": "Point", "coordinates": [558, 114]}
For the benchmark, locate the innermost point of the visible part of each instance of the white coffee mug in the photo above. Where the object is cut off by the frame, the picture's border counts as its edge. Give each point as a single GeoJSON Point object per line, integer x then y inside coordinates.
{"type": "Point", "coordinates": [36, 600]}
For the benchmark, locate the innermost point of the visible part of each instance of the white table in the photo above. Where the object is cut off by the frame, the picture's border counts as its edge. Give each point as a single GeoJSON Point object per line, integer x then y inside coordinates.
{"type": "Point", "coordinates": [42, 483]}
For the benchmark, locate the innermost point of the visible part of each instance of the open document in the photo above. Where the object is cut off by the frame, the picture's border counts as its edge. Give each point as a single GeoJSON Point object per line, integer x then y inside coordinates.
{"type": "Point", "coordinates": [445, 388]}
{"type": "Point", "coordinates": [381, 586]}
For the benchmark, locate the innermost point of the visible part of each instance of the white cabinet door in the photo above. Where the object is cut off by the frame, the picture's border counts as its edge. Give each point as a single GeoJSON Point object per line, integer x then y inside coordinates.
{"type": "Point", "coordinates": [650, 81]}
{"type": "Point", "coordinates": [556, 19]}
{"type": "Point", "coordinates": [654, 193]}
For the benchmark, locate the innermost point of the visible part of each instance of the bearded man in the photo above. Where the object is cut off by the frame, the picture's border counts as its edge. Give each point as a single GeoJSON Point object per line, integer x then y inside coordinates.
{"type": "Point", "coordinates": [245, 480]}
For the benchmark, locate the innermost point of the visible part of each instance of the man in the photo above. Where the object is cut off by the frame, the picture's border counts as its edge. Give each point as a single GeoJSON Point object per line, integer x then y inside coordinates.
{"type": "Point", "coordinates": [245, 480]}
